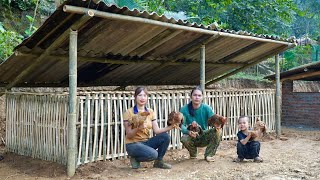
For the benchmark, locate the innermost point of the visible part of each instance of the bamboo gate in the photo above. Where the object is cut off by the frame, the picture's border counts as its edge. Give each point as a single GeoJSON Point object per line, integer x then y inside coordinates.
{"type": "Point", "coordinates": [36, 124]}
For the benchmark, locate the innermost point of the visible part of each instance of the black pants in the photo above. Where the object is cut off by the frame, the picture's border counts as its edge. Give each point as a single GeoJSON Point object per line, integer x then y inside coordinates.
{"type": "Point", "coordinates": [250, 150]}
{"type": "Point", "coordinates": [1, 157]}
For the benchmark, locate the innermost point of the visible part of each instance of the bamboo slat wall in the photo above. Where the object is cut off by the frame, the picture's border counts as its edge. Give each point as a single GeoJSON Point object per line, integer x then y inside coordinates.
{"type": "Point", "coordinates": [37, 124]}
{"type": "Point", "coordinates": [100, 127]}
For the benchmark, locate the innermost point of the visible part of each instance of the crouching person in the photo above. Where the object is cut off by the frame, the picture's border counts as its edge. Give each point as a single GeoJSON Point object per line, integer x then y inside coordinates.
{"type": "Point", "coordinates": [197, 113]}
{"type": "Point", "coordinates": [138, 121]}
{"type": "Point", "coordinates": [246, 147]}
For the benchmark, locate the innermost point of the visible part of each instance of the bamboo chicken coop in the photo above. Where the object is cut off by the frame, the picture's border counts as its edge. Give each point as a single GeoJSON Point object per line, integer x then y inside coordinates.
{"type": "Point", "coordinates": [86, 44]}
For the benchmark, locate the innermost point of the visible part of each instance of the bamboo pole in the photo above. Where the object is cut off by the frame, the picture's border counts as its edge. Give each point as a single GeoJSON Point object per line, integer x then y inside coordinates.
{"type": "Point", "coordinates": [81, 132]}
{"type": "Point", "coordinates": [102, 124]}
{"type": "Point", "coordinates": [90, 122]}
{"type": "Point", "coordinates": [71, 165]}
{"type": "Point", "coordinates": [87, 133]}
{"type": "Point", "coordinates": [95, 129]}
{"type": "Point", "coordinates": [105, 136]}
{"type": "Point", "coordinates": [109, 110]}
{"type": "Point", "coordinates": [107, 15]}
{"type": "Point", "coordinates": [203, 70]}
{"type": "Point", "coordinates": [278, 97]}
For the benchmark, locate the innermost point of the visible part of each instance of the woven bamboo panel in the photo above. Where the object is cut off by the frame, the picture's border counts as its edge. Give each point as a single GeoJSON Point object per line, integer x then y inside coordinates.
{"type": "Point", "coordinates": [36, 126]}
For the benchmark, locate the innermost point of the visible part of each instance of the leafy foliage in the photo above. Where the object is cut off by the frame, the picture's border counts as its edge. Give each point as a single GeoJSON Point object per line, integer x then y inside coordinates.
{"type": "Point", "coordinates": [296, 57]}
{"type": "Point", "coordinates": [19, 4]}
{"type": "Point", "coordinates": [263, 17]}
{"type": "Point", "coordinates": [29, 31]}
{"type": "Point", "coordinates": [307, 22]}
{"type": "Point", "coordinates": [8, 40]}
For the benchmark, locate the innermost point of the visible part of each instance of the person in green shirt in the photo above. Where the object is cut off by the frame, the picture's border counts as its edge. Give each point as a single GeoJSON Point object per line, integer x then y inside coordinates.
{"type": "Point", "coordinates": [200, 113]}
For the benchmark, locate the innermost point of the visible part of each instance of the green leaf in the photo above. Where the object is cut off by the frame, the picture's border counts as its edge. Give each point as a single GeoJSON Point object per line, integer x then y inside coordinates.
{"type": "Point", "coordinates": [30, 18]}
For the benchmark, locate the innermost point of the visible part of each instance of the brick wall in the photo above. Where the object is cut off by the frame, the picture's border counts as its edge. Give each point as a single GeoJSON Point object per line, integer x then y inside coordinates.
{"type": "Point", "coordinates": [300, 108]}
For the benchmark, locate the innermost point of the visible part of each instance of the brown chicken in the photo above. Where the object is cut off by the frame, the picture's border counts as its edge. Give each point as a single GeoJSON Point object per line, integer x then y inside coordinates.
{"type": "Point", "coordinates": [195, 128]}
{"type": "Point", "coordinates": [138, 119]}
{"type": "Point", "coordinates": [259, 129]}
{"type": "Point", "coordinates": [175, 119]}
{"type": "Point", "coordinates": [217, 120]}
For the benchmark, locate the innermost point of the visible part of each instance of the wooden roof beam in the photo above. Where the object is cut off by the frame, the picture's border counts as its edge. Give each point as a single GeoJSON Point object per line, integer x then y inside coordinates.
{"type": "Point", "coordinates": [125, 61]}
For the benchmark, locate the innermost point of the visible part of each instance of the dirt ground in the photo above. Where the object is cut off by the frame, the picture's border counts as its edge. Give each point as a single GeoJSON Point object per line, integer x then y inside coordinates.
{"type": "Point", "coordinates": [295, 157]}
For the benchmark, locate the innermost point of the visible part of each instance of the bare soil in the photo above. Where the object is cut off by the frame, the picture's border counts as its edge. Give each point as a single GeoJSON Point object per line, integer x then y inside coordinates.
{"type": "Point", "coordinates": [296, 156]}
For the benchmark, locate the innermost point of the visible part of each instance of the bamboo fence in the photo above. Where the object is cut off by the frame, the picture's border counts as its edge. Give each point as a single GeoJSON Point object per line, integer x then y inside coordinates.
{"type": "Point", "coordinates": [37, 124]}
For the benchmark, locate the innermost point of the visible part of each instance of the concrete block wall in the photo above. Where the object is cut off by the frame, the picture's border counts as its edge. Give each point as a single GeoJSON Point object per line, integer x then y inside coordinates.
{"type": "Point", "coordinates": [300, 108]}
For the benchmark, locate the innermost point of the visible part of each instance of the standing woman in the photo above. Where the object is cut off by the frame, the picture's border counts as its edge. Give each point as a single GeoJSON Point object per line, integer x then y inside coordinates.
{"type": "Point", "coordinates": [200, 113]}
{"type": "Point", "coordinates": [140, 147]}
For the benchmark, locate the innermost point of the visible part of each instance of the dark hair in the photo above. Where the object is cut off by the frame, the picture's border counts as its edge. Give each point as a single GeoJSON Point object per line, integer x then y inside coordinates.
{"type": "Point", "coordinates": [196, 88]}
{"type": "Point", "coordinates": [190, 107]}
{"type": "Point", "coordinates": [243, 117]}
{"type": "Point", "coordinates": [139, 90]}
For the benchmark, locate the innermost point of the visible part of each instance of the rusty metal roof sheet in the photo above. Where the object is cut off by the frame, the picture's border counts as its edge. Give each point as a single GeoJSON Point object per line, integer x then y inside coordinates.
{"type": "Point", "coordinates": [307, 72]}
{"type": "Point", "coordinates": [120, 47]}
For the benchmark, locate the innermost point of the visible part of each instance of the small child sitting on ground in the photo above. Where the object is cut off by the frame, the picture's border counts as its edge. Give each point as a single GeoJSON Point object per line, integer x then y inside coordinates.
{"type": "Point", "coordinates": [247, 148]}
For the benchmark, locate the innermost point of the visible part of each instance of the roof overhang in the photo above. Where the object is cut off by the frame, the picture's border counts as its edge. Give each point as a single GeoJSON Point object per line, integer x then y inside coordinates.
{"type": "Point", "coordinates": [307, 72]}
{"type": "Point", "coordinates": [121, 47]}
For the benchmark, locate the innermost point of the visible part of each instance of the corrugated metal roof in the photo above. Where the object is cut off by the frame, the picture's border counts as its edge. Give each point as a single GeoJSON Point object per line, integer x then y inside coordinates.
{"type": "Point", "coordinates": [307, 72]}
{"type": "Point", "coordinates": [120, 47]}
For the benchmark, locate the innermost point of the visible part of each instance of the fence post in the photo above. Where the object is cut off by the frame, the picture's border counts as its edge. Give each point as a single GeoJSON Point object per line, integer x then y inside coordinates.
{"type": "Point", "coordinates": [278, 98]}
{"type": "Point", "coordinates": [71, 164]}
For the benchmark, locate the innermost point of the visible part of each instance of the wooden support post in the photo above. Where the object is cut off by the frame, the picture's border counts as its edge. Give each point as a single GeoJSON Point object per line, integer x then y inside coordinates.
{"type": "Point", "coordinates": [71, 165]}
{"type": "Point", "coordinates": [202, 68]}
{"type": "Point", "coordinates": [278, 98]}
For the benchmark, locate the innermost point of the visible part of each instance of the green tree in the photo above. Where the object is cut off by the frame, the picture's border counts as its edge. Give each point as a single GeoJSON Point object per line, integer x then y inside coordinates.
{"type": "Point", "coordinates": [8, 40]}
{"type": "Point", "coordinates": [263, 17]}
{"type": "Point", "coordinates": [307, 22]}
